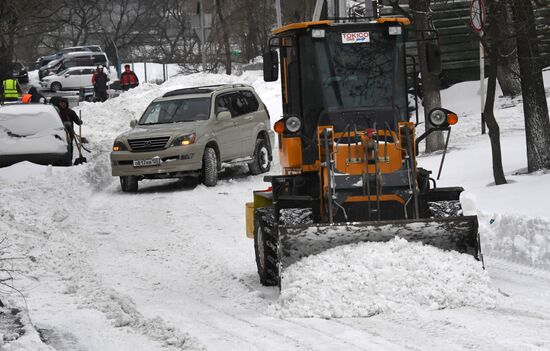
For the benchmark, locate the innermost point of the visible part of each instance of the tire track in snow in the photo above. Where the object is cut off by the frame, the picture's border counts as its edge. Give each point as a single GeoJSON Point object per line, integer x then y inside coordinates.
{"type": "Point", "coordinates": [236, 324]}
{"type": "Point", "coordinates": [81, 281]}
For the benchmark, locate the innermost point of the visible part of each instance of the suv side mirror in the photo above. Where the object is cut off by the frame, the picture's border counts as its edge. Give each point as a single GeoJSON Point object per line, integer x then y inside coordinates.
{"type": "Point", "coordinates": [67, 75]}
{"type": "Point", "coordinates": [224, 115]}
{"type": "Point", "coordinates": [271, 66]}
{"type": "Point", "coordinates": [133, 123]}
{"type": "Point", "coordinates": [433, 58]}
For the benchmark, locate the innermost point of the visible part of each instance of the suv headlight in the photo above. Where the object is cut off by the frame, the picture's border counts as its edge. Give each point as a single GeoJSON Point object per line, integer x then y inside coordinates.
{"type": "Point", "coordinates": [184, 140]}
{"type": "Point", "coordinates": [119, 146]}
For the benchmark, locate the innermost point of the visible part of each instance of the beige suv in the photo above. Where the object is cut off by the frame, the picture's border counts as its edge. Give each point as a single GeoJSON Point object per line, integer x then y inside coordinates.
{"type": "Point", "coordinates": [195, 132]}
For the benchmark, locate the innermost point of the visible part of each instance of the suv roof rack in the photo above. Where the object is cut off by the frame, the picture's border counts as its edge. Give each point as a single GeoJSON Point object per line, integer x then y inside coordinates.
{"type": "Point", "coordinates": [201, 90]}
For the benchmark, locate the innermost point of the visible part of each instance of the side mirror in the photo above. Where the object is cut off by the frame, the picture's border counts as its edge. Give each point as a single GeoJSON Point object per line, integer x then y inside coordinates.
{"type": "Point", "coordinates": [271, 66]}
{"type": "Point", "coordinates": [67, 75]}
{"type": "Point", "coordinates": [133, 123]}
{"type": "Point", "coordinates": [224, 116]}
{"type": "Point", "coordinates": [433, 58]}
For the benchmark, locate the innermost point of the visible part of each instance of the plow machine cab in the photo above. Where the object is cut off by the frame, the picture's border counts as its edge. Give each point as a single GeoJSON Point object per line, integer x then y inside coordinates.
{"type": "Point", "coordinates": [348, 149]}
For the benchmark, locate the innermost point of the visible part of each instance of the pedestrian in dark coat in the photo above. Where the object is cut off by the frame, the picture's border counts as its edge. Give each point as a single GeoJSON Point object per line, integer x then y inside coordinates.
{"type": "Point", "coordinates": [36, 96]}
{"type": "Point", "coordinates": [128, 79]}
{"type": "Point", "coordinates": [99, 80]}
{"type": "Point", "coordinates": [68, 117]}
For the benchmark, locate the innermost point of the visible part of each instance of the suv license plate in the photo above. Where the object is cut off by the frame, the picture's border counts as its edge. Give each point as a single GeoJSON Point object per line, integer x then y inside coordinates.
{"type": "Point", "coordinates": [145, 163]}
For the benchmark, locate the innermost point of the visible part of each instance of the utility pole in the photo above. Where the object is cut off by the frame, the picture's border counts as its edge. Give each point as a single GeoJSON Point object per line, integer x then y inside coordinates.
{"type": "Point", "coordinates": [318, 9]}
{"type": "Point", "coordinates": [342, 10]}
{"type": "Point", "coordinates": [203, 34]}
{"type": "Point", "coordinates": [279, 15]}
{"type": "Point", "coordinates": [331, 11]}
{"type": "Point", "coordinates": [482, 81]}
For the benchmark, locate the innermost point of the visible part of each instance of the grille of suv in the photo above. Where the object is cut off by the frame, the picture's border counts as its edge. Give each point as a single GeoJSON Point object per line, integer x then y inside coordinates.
{"type": "Point", "coordinates": [149, 144]}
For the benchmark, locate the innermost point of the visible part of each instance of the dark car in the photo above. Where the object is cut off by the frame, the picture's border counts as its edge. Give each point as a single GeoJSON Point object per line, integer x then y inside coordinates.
{"type": "Point", "coordinates": [73, 59]}
{"type": "Point", "coordinates": [44, 60]}
{"type": "Point", "coordinates": [20, 73]}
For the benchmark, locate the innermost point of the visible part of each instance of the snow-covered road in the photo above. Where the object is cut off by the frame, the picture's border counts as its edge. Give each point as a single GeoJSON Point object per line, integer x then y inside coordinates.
{"type": "Point", "coordinates": [170, 268]}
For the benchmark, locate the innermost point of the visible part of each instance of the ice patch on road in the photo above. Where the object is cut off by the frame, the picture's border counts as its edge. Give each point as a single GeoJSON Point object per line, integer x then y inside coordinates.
{"type": "Point", "coordinates": [365, 279]}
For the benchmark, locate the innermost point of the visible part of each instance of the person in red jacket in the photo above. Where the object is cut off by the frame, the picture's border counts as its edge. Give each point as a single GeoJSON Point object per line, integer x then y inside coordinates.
{"type": "Point", "coordinates": [128, 79]}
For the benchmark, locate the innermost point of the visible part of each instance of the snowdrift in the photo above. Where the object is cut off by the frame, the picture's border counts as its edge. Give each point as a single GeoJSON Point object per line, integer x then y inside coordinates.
{"type": "Point", "coordinates": [362, 280]}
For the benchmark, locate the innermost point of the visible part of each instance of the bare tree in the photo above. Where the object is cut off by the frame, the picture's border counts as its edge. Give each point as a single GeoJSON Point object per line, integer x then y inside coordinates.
{"type": "Point", "coordinates": [430, 82]}
{"type": "Point", "coordinates": [80, 17]}
{"type": "Point", "coordinates": [224, 35]}
{"type": "Point", "coordinates": [127, 23]}
{"type": "Point", "coordinates": [508, 66]}
{"type": "Point", "coordinates": [175, 42]}
{"type": "Point", "coordinates": [493, 42]}
{"type": "Point", "coordinates": [20, 19]}
{"type": "Point", "coordinates": [535, 108]}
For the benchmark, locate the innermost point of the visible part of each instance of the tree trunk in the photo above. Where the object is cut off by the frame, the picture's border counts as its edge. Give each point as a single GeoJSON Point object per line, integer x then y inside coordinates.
{"type": "Point", "coordinates": [508, 75]}
{"type": "Point", "coordinates": [430, 82]}
{"type": "Point", "coordinates": [493, 50]}
{"type": "Point", "coordinates": [508, 66]}
{"type": "Point", "coordinates": [535, 108]}
{"type": "Point", "coordinates": [492, 124]}
{"type": "Point", "coordinates": [225, 37]}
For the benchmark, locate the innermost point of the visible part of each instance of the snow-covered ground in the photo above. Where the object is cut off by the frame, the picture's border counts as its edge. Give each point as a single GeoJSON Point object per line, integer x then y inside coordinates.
{"type": "Point", "coordinates": [170, 268]}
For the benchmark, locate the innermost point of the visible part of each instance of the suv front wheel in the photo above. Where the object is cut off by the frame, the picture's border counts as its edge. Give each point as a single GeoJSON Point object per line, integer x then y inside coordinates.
{"type": "Point", "coordinates": [129, 184]}
{"type": "Point", "coordinates": [209, 167]}
{"type": "Point", "coordinates": [260, 160]}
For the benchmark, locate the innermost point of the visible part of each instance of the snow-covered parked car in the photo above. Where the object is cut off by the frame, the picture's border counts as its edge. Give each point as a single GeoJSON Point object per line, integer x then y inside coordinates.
{"type": "Point", "coordinates": [195, 131]}
{"type": "Point", "coordinates": [34, 133]}
{"type": "Point", "coordinates": [71, 78]}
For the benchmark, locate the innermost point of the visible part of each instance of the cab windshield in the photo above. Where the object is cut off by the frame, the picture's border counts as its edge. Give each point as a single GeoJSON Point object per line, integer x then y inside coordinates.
{"type": "Point", "coordinates": [352, 75]}
{"type": "Point", "coordinates": [176, 111]}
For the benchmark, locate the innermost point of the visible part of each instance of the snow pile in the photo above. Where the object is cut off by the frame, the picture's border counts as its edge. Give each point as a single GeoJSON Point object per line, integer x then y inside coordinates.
{"type": "Point", "coordinates": [107, 120]}
{"type": "Point", "coordinates": [362, 280]}
{"type": "Point", "coordinates": [517, 238]}
{"type": "Point", "coordinates": [41, 214]}
{"type": "Point", "coordinates": [28, 341]}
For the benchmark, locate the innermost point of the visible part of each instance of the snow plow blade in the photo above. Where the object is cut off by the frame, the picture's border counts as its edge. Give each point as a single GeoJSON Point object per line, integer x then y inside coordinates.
{"type": "Point", "coordinates": [452, 233]}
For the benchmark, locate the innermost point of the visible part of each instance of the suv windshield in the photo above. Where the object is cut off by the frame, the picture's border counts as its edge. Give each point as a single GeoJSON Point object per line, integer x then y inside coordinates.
{"type": "Point", "coordinates": [175, 111]}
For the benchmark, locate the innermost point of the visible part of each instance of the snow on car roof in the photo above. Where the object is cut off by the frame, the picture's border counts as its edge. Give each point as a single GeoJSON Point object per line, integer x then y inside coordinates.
{"type": "Point", "coordinates": [28, 119]}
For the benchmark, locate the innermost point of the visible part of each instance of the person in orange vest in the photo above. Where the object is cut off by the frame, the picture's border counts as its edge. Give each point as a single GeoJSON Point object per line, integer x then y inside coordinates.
{"type": "Point", "coordinates": [128, 79]}
{"type": "Point", "coordinates": [33, 96]}
{"type": "Point", "coordinates": [11, 91]}
{"type": "Point", "coordinates": [26, 98]}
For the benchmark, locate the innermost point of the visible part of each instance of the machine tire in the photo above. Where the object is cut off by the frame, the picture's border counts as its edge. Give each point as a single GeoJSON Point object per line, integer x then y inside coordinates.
{"type": "Point", "coordinates": [56, 86]}
{"type": "Point", "coordinates": [265, 246]}
{"type": "Point", "coordinates": [261, 162]}
{"type": "Point", "coordinates": [209, 167]}
{"type": "Point", "coordinates": [129, 184]}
